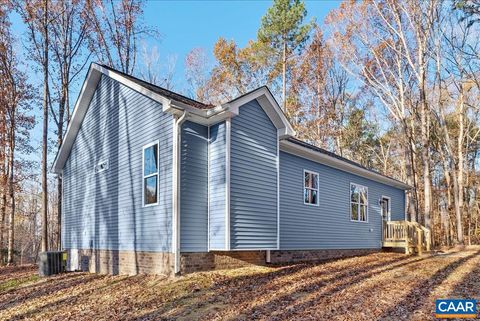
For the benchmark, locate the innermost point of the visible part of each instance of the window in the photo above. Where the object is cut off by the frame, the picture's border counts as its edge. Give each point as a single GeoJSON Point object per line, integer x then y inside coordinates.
{"type": "Point", "coordinates": [358, 203]}
{"type": "Point", "coordinates": [150, 174]}
{"type": "Point", "coordinates": [310, 188]}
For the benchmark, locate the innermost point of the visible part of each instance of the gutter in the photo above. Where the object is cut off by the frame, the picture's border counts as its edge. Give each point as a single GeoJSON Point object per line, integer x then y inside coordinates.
{"type": "Point", "coordinates": [177, 132]}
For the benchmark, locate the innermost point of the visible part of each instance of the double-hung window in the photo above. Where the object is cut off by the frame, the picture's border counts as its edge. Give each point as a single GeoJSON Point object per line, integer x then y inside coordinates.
{"type": "Point", "coordinates": [358, 203]}
{"type": "Point", "coordinates": [150, 174]}
{"type": "Point", "coordinates": [310, 188]}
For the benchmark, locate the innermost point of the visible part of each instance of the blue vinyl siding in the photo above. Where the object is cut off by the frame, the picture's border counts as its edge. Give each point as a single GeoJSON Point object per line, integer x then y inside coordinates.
{"type": "Point", "coordinates": [217, 186]}
{"type": "Point", "coordinates": [253, 180]}
{"type": "Point", "coordinates": [104, 210]}
{"type": "Point", "coordinates": [194, 188]}
{"type": "Point", "coordinates": [328, 226]}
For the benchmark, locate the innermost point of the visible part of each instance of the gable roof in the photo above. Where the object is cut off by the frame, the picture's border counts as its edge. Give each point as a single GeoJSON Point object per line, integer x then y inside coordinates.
{"type": "Point", "coordinates": [172, 102]}
{"type": "Point", "coordinates": [207, 115]}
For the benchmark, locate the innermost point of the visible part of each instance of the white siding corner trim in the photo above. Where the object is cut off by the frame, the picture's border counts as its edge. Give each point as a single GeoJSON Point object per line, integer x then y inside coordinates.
{"type": "Point", "coordinates": [228, 129]}
{"type": "Point", "coordinates": [177, 122]}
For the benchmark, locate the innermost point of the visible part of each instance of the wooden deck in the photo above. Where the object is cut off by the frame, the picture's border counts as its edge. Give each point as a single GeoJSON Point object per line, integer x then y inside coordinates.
{"type": "Point", "coordinates": [410, 236]}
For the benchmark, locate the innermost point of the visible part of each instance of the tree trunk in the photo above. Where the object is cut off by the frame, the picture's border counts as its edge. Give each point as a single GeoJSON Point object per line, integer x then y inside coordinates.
{"type": "Point", "coordinates": [11, 227]}
{"type": "Point", "coordinates": [460, 167]}
{"type": "Point", "coordinates": [3, 188]}
{"type": "Point", "coordinates": [61, 113]}
{"type": "Point", "coordinates": [284, 76]}
{"type": "Point", "coordinates": [2, 224]}
{"type": "Point", "coordinates": [425, 138]}
{"type": "Point", "coordinates": [44, 246]}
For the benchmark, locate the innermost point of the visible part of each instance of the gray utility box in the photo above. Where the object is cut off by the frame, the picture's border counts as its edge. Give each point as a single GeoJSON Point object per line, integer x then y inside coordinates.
{"type": "Point", "coordinates": [51, 262]}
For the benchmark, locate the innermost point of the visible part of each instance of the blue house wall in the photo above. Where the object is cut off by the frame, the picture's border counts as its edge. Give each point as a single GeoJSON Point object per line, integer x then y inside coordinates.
{"type": "Point", "coordinates": [328, 226]}
{"type": "Point", "coordinates": [104, 210]}
{"type": "Point", "coordinates": [217, 186]}
{"type": "Point", "coordinates": [253, 179]}
{"type": "Point", "coordinates": [194, 188]}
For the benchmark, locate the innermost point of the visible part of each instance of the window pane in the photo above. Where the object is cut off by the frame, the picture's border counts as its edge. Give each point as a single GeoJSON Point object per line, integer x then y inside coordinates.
{"type": "Point", "coordinates": [354, 211]}
{"type": "Point", "coordinates": [313, 197]}
{"type": "Point", "coordinates": [363, 213]}
{"type": "Point", "coordinates": [353, 193]}
{"type": "Point", "coordinates": [306, 195]}
{"type": "Point", "coordinates": [150, 159]}
{"type": "Point", "coordinates": [314, 179]}
{"type": "Point", "coordinates": [150, 186]}
{"type": "Point", "coordinates": [363, 195]}
{"type": "Point", "coordinates": [307, 179]}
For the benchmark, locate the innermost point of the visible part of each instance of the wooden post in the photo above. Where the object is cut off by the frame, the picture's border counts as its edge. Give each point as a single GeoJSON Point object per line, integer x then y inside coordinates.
{"type": "Point", "coordinates": [419, 241]}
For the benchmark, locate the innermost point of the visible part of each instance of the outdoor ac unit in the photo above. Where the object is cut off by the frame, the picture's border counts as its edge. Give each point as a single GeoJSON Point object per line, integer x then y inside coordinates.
{"type": "Point", "coordinates": [52, 262]}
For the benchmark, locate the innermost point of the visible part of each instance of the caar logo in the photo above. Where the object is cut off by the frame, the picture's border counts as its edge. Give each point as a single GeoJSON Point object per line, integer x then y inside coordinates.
{"type": "Point", "coordinates": [445, 308]}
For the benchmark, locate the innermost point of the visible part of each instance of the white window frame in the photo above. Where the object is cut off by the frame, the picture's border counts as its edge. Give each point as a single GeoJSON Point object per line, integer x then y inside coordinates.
{"type": "Point", "coordinates": [305, 171]}
{"type": "Point", "coordinates": [359, 205]}
{"type": "Point", "coordinates": [150, 175]}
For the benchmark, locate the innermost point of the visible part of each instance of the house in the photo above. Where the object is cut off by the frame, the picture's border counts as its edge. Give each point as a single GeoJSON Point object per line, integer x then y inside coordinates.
{"type": "Point", "coordinates": [155, 182]}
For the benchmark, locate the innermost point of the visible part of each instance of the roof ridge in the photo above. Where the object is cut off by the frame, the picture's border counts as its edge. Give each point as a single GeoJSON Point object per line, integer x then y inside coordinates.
{"type": "Point", "coordinates": [160, 90]}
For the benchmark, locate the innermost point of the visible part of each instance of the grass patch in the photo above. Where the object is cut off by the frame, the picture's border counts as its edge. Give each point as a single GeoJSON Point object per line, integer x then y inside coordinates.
{"type": "Point", "coordinates": [16, 283]}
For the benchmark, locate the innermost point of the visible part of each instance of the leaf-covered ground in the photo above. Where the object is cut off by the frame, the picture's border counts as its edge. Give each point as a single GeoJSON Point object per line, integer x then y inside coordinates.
{"type": "Point", "coordinates": [382, 286]}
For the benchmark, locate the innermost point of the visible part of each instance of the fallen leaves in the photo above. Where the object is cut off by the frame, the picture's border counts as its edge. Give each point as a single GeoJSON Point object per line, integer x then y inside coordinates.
{"type": "Point", "coordinates": [382, 286]}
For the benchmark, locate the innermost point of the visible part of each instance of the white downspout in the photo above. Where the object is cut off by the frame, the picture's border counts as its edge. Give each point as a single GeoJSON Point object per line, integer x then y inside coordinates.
{"type": "Point", "coordinates": [176, 189]}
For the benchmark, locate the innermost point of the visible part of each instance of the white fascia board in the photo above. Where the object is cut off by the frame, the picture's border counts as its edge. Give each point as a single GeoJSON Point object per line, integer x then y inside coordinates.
{"type": "Point", "coordinates": [330, 161]}
{"type": "Point", "coordinates": [79, 111]}
{"type": "Point", "coordinates": [81, 106]}
{"type": "Point", "coordinates": [269, 105]}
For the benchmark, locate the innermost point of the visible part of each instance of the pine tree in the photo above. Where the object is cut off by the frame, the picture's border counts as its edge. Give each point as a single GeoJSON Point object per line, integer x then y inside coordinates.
{"type": "Point", "coordinates": [281, 33]}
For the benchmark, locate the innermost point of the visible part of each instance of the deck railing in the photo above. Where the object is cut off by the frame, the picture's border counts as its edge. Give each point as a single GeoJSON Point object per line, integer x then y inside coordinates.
{"type": "Point", "coordinates": [406, 234]}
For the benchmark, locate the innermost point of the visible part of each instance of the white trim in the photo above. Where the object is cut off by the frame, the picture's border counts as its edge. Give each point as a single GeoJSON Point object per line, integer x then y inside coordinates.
{"type": "Point", "coordinates": [204, 117]}
{"type": "Point", "coordinates": [305, 171]}
{"type": "Point", "coordinates": [79, 111]}
{"type": "Point", "coordinates": [157, 142]}
{"type": "Point", "coordinates": [208, 188]}
{"type": "Point", "coordinates": [63, 211]}
{"type": "Point", "coordinates": [330, 161]}
{"type": "Point", "coordinates": [359, 205]}
{"type": "Point", "coordinates": [228, 143]}
{"type": "Point", "coordinates": [278, 192]}
{"type": "Point", "coordinates": [177, 122]}
{"type": "Point", "coordinates": [254, 249]}
{"type": "Point", "coordinates": [269, 105]}
{"type": "Point", "coordinates": [389, 207]}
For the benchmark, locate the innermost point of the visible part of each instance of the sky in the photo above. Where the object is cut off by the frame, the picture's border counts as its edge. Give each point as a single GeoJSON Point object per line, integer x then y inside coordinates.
{"type": "Point", "coordinates": [184, 25]}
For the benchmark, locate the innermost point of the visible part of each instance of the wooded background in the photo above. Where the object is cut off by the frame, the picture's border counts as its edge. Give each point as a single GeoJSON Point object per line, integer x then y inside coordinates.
{"type": "Point", "coordinates": [391, 84]}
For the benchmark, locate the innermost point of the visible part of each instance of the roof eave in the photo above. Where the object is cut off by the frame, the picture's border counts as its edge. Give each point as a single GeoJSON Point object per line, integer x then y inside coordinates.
{"type": "Point", "coordinates": [330, 161]}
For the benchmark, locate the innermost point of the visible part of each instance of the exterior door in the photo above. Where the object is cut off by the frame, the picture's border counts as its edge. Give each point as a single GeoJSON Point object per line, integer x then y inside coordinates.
{"type": "Point", "coordinates": [386, 215]}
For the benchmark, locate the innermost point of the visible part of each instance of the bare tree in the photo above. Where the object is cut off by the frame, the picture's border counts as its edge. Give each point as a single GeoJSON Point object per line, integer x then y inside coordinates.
{"type": "Point", "coordinates": [68, 40]}
{"type": "Point", "coordinates": [117, 28]}
{"type": "Point", "coordinates": [36, 15]}
{"type": "Point", "coordinates": [15, 93]}
{"type": "Point", "coordinates": [154, 70]}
